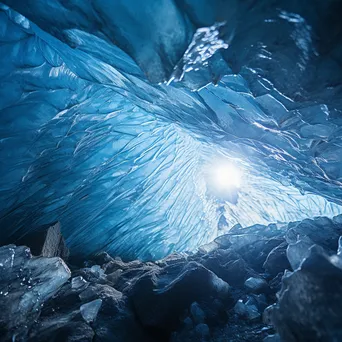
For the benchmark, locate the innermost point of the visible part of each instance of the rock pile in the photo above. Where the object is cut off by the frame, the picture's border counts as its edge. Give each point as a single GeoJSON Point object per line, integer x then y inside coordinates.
{"type": "Point", "coordinates": [262, 283]}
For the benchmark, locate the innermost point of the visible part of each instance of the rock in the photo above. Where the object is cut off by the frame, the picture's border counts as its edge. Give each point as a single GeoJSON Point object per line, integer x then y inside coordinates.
{"type": "Point", "coordinates": [249, 312]}
{"type": "Point", "coordinates": [128, 278]}
{"type": "Point", "coordinates": [102, 258]}
{"type": "Point", "coordinates": [321, 231]}
{"type": "Point", "coordinates": [276, 260]}
{"type": "Point", "coordinates": [188, 323]}
{"type": "Point", "coordinates": [275, 283]}
{"type": "Point", "coordinates": [47, 241]}
{"type": "Point", "coordinates": [272, 338]}
{"type": "Point", "coordinates": [309, 306]}
{"type": "Point", "coordinates": [172, 259]}
{"type": "Point", "coordinates": [159, 297]}
{"type": "Point", "coordinates": [26, 282]}
{"type": "Point", "coordinates": [256, 285]}
{"type": "Point", "coordinates": [256, 254]}
{"type": "Point", "coordinates": [229, 266]}
{"type": "Point", "coordinates": [259, 301]}
{"type": "Point", "coordinates": [111, 298]}
{"type": "Point", "coordinates": [62, 329]}
{"type": "Point", "coordinates": [115, 321]}
{"type": "Point", "coordinates": [93, 274]}
{"type": "Point", "coordinates": [198, 315]}
{"type": "Point", "coordinates": [298, 251]}
{"type": "Point", "coordinates": [90, 310]}
{"type": "Point", "coordinates": [117, 264]}
{"type": "Point", "coordinates": [78, 283]}
{"type": "Point", "coordinates": [202, 331]}
{"type": "Point", "coordinates": [114, 277]}
{"type": "Point", "coordinates": [267, 315]}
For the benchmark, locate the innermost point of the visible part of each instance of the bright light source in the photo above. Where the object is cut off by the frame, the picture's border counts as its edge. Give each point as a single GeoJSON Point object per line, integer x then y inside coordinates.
{"type": "Point", "coordinates": [223, 180]}
{"type": "Point", "coordinates": [226, 176]}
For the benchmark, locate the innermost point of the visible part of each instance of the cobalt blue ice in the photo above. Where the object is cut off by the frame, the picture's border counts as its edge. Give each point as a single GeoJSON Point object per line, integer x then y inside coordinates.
{"type": "Point", "coordinates": [115, 117]}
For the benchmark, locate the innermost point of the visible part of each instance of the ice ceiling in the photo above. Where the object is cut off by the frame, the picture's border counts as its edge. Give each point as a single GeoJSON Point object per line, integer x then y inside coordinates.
{"type": "Point", "coordinates": [112, 110]}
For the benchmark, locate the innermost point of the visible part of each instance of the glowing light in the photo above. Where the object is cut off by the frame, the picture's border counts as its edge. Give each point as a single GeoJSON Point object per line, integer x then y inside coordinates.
{"type": "Point", "coordinates": [226, 176]}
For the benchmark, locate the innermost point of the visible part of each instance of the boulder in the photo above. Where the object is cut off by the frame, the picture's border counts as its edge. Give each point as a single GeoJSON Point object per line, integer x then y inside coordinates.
{"type": "Point", "coordinates": [159, 297]}
{"type": "Point", "coordinates": [256, 253]}
{"type": "Point", "coordinates": [256, 285]}
{"type": "Point", "coordinates": [197, 314]}
{"type": "Point", "coordinates": [62, 328]}
{"type": "Point", "coordinates": [229, 266]}
{"type": "Point", "coordinates": [247, 311]}
{"type": "Point", "coordinates": [276, 260]}
{"type": "Point", "coordinates": [310, 302]}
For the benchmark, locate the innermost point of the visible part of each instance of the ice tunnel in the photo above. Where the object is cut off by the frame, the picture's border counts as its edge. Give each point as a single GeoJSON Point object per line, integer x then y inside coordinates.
{"type": "Point", "coordinates": [148, 127]}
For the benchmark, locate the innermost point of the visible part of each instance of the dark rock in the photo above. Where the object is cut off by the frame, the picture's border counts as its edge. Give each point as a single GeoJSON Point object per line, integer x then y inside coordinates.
{"type": "Point", "coordinates": [309, 307]}
{"type": "Point", "coordinates": [202, 331]}
{"type": "Point", "coordinates": [267, 315]}
{"type": "Point", "coordinates": [197, 314]}
{"type": "Point", "coordinates": [26, 282]}
{"type": "Point", "coordinates": [115, 265]}
{"type": "Point", "coordinates": [79, 283]}
{"type": "Point", "coordinates": [174, 258]}
{"type": "Point", "coordinates": [115, 321]}
{"type": "Point", "coordinates": [247, 311]}
{"type": "Point", "coordinates": [256, 253]}
{"type": "Point", "coordinates": [275, 283]}
{"type": "Point", "coordinates": [121, 327]}
{"type": "Point", "coordinates": [159, 297]}
{"type": "Point", "coordinates": [110, 297]}
{"type": "Point", "coordinates": [256, 285]}
{"type": "Point", "coordinates": [276, 260]}
{"type": "Point", "coordinates": [102, 258]}
{"type": "Point", "coordinates": [129, 277]}
{"type": "Point", "coordinates": [259, 301]}
{"type": "Point", "coordinates": [229, 266]}
{"type": "Point", "coordinates": [62, 329]}
{"type": "Point", "coordinates": [93, 274]}
{"type": "Point", "coordinates": [114, 277]}
{"type": "Point", "coordinates": [321, 231]}
{"type": "Point", "coordinates": [47, 241]}
{"type": "Point", "coordinates": [215, 312]}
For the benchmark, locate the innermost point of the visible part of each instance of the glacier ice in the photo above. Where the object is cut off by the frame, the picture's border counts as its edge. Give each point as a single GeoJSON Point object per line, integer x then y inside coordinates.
{"type": "Point", "coordinates": [26, 282]}
{"type": "Point", "coordinates": [111, 112]}
{"type": "Point", "coordinates": [90, 310]}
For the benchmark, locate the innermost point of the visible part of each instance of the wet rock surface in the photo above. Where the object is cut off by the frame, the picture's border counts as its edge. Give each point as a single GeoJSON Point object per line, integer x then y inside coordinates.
{"type": "Point", "coordinates": [261, 283]}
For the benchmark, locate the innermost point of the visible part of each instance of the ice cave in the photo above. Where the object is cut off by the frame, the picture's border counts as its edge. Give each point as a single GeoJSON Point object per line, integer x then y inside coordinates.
{"type": "Point", "coordinates": [171, 170]}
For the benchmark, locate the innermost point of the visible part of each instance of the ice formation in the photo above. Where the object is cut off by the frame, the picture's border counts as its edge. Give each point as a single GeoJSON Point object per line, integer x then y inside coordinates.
{"type": "Point", "coordinates": [112, 111]}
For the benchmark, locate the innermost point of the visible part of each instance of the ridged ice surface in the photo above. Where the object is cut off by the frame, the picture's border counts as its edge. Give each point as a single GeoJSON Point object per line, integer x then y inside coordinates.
{"type": "Point", "coordinates": [110, 112]}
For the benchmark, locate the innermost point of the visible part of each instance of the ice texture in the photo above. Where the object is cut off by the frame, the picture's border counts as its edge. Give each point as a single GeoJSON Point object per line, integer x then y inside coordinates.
{"type": "Point", "coordinates": [26, 282]}
{"type": "Point", "coordinates": [110, 112]}
{"type": "Point", "coordinates": [90, 310]}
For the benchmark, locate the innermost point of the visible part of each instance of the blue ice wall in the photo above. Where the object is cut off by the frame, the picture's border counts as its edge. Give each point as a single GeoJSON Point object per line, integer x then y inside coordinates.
{"type": "Point", "coordinates": [111, 111]}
